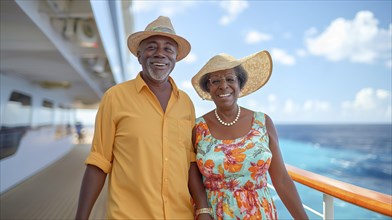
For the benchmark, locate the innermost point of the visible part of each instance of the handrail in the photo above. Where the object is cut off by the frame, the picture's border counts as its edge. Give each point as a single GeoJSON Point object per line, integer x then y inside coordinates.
{"type": "Point", "coordinates": [369, 199]}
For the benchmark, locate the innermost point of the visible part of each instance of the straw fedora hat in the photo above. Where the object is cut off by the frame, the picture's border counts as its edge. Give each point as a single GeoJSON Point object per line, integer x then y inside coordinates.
{"type": "Point", "coordinates": [258, 66]}
{"type": "Point", "coordinates": [161, 26]}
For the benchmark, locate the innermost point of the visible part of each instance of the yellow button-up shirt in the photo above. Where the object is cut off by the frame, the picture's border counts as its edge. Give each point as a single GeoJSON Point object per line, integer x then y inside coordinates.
{"type": "Point", "coordinates": [145, 151]}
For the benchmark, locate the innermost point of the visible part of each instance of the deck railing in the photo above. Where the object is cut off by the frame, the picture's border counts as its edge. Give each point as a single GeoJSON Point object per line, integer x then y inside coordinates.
{"type": "Point", "coordinates": [365, 198]}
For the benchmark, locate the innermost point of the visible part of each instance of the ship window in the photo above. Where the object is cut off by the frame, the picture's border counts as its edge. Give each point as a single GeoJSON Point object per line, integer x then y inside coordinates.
{"type": "Point", "coordinates": [45, 113]}
{"type": "Point", "coordinates": [61, 115]}
{"type": "Point", "coordinates": [16, 121]}
{"type": "Point", "coordinates": [17, 111]}
{"type": "Point", "coordinates": [47, 104]}
{"type": "Point", "coordinates": [63, 118]}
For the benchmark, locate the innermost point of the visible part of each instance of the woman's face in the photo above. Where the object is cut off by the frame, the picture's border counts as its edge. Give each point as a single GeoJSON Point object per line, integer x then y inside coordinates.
{"type": "Point", "coordinates": [224, 88]}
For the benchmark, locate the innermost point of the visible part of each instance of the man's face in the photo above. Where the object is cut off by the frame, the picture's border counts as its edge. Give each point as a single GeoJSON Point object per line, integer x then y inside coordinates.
{"type": "Point", "coordinates": [157, 55]}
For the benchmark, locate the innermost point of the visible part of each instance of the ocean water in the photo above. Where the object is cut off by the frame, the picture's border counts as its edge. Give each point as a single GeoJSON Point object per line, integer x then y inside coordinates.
{"type": "Point", "coordinates": [356, 154]}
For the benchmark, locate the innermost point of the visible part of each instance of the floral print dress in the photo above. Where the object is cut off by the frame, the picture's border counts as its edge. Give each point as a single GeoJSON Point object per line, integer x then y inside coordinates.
{"type": "Point", "coordinates": [235, 172]}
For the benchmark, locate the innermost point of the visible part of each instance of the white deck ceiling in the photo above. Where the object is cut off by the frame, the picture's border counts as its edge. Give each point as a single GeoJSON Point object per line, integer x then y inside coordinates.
{"type": "Point", "coordinates": [33, 46]}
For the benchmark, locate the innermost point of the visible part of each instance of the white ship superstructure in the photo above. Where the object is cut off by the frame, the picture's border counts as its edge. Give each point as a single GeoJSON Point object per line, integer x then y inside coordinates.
{"type": "Point", "coordinates": [56, 56]}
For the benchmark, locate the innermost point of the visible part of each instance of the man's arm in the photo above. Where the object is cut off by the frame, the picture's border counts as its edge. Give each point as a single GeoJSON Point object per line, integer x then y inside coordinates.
{"type": "Point", "coordinates": [93, 181]}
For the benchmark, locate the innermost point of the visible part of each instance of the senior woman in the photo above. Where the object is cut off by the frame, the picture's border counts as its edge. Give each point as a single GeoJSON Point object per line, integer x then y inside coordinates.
{"type": "Point", "coordinates": [236, 146]}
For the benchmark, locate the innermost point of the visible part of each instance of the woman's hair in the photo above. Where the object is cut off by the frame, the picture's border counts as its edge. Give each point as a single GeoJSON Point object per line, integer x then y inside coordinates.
{"type": "Point", "coordinates": [239, 71]}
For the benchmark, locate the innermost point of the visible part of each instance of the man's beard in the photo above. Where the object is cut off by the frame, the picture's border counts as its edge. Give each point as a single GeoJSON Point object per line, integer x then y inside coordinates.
{"type": "Point", "coordinates": [157, 76]}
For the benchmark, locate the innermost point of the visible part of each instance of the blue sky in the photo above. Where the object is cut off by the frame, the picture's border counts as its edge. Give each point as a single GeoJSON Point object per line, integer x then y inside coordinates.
{"type": "Point", "coordinates": [332, 59]}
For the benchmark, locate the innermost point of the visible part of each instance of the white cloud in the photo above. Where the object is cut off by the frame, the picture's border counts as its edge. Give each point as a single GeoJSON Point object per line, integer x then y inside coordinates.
{"type": "Point", "coordinates": [289, 107]}
{"type": "Point", "coordinates": [365, 99]}
{"type": "Point", "coordinates": [316, 106]}
{"type": "Point", "coordinates": [282, 57]}
{"type": "Point", "coordinates": [232, 9]}
{"type": "Point", "coordinates": [382, 94]}
{"type": "Point", "coordinates": [191, 58]}
{"type": "Point", "coordinates": [369, 104]}
{"type": "Point", "coordinates": [358, 40]}
{"type": "Point", "coordinates": [186, 85]}
{"type": "Point", "coordinates": [253, 37]}
{"type": "Point", "coordinates": [272, 98]}
{"type": "Point", "coordinates": [272, 103]}
{"type": "Point", "coordinates": [258, 105]}
{"type": "Point", "coordinates": [301, 52]}
{"type": "Point", "coordinates": [167, 8]}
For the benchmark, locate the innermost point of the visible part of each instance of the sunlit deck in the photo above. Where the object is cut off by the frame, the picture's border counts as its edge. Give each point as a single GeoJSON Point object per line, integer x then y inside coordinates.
{"type": "Point", "coordinates": [52, 193]}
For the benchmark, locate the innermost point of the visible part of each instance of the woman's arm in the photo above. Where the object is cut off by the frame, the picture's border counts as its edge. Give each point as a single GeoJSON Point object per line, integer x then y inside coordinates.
{"type": "Point", "coordinates": [281, 180]}
{"type": "Point", "coordinates": [196, 187]}
{"type": "Point", "coordinates": [93, 181]}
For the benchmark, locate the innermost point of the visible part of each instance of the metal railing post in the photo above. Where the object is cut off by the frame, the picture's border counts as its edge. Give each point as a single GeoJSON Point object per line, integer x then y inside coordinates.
{"type": "Point", "coordinates": [328, 207]}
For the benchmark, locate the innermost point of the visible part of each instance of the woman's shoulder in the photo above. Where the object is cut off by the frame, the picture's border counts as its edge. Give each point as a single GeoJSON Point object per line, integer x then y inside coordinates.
{"type": "Point", "coordinates": [258, 115]}
{"type": "Point", "coordinates": [261, 117]}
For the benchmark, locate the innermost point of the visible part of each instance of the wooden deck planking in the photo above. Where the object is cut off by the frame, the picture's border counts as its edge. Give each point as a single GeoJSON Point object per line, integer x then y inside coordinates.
{"type": "Point", "coordinates": [52, 193]}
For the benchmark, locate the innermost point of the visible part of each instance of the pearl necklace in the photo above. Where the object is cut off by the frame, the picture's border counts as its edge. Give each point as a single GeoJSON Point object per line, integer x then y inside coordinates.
{"type": "Point", "coordinates": [230, 123]}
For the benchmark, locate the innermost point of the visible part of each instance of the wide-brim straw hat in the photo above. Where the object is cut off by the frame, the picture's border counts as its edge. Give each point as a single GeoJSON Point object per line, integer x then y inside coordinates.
{"type": "Point", "coordinates": [258, 67]}
{"type": "Point", "coordinates": [161, 26]}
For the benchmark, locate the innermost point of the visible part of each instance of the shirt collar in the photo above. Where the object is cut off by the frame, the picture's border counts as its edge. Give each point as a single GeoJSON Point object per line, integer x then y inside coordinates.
{"type": "Point", "coordinates": [140, 84]}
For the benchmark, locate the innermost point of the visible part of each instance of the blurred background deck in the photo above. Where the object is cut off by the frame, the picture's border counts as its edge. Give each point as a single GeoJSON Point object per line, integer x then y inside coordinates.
{"type": "Point", "coordinates": [52, 193]}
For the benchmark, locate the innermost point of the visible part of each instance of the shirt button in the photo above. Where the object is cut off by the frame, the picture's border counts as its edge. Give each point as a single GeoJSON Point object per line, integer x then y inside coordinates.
{"type": "Point", "coordinates": [166, 159]}
{"type": "Point", "coordinates": [166, 180]}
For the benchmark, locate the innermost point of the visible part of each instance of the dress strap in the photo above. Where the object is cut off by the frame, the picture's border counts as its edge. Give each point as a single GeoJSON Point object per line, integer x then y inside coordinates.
{"type": "Point", "coordinates": [260, 117]}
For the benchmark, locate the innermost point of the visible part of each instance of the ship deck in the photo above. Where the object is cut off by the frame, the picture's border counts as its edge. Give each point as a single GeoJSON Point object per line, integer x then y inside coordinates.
{"type": "Point", "coordinates": [52, 193]}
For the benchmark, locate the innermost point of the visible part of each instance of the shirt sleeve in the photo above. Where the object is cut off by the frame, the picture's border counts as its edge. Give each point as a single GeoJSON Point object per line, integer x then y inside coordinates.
{"type": "Point", "coordinates": [101, 154]}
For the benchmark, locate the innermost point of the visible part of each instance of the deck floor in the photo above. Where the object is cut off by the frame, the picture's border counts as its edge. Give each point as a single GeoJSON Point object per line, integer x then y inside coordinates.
{"type": "Point", "coordinates": [52, 193]}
